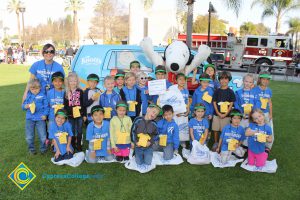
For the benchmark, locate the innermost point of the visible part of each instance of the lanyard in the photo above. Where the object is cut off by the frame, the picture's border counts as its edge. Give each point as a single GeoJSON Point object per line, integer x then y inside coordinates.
{"type": "Point", "coordinates": [109, 99]}
{"type": "Point", "coordinates": [47, 72]}
{"type": "Point", "coordinates": [122, 125]}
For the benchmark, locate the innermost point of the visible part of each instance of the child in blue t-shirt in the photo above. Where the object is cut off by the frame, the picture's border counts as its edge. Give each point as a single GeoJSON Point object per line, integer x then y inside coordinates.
{"type": "Point", "coordinates": [209, 69]}
{"type": "Point", "coordinates": [198, 125]}
{"type": "Point", "coordinates": [245, 99]}
{"type": "Point", "coordinates": [60, 131]}
{"type": "Point", "coordinates": [119, 81]}
{"type": "Point", "coordinates": [91, 96]}
{"type": "Point", "coordinates": [168, 133]}
{"type": "Point", "coordinates": [132, 95]}
{"type": "Point", "coordinates": [36, 106]}
{"type": "Point", "coordinates": [231, 137]}
{"type": "Point", "coordinates": [142, 86]}
{"type": "Point", "coordinates": [97, 133]}
{"type": "Point", "coordinates": [55, 96]}
{"type": "Point", "coordinates": [263, 101]}
{"type": "Point", "coordinates": [108, 100]}
{"type": "Point", "coordinates": [203, 94]}
{"type": "Point", "coordinates": [259, 134]}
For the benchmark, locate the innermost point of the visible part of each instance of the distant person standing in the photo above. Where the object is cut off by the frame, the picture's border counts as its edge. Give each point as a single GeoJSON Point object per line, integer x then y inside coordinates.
{"type": "Point", "coordinates": [70, 51]}
{"type": "Point", "coordinates": [9, 54]}
{"type": "Point", "coordinates": [43, 69]}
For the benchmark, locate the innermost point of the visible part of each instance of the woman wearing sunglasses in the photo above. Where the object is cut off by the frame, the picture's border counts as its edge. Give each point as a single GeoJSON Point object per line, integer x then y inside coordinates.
{"type": "Point", "coordinates": [43, 69]}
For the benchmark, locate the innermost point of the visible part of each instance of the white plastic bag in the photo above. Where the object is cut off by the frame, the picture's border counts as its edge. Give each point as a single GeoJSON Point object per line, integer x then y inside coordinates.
{"type": "Point", "coordinates": [183, 125]}
{"type": "Point", "coordinates": [200, 154]}
{"type": "Point", "coordinates": [270, 167]}
{"type": "Point", "coordinates": [73, 162]}
{"type": "Point", "coordinates": [159, 160]}
{"type": "Point", "coordinates": [87, 159]}
{"type": "Point", "coordinates": [174, 98]}
{"type": "Point", "coordinates": [131, 164]}
{"type": "Point", "coordinates": [216, 160]}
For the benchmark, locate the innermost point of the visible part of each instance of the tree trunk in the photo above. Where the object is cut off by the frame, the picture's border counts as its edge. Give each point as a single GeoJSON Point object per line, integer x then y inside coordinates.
{"type": "Point", "coordinates": [19, 32]}
{"type": "Point", "coordinates": [278, 21]}
{"type": "Point", "coordinates": [75, 24]}
{"type": "Point", "coordinates": [189, 26]}
{"type": "Point", "coordinates": [296, 42]}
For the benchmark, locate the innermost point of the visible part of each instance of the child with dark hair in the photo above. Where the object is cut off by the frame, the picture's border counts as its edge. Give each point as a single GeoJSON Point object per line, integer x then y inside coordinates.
{"type": "Point", "coordinates": [119, 81]}
{"type": "Point", "coordinates": [209, 69]}
{"type": "Point", "coordinates": [120, 126]}
{"type": "Point", "coordinates": [223, 100]}
{"type": "Point", "coordinates": [143, 133]}
{"type": "Point", "coordinates": [97, 133]}
{"type": "Point", "coordinates": [91, 95]}
{"type": "Point", "coordinates": [232, 137]}
{"type": "Point", "coordinates": [168, 133]}
{"type": "Point", "coordinates": [61, 134]}
{"type": "Point", "coordinates": [135, 66]}
{"type": "Point", "coordinates": [198, 126]}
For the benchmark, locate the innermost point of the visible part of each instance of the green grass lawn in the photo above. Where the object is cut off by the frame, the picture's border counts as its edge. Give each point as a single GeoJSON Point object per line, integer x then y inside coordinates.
{"type": "Point", "coordinates": [165, 182]}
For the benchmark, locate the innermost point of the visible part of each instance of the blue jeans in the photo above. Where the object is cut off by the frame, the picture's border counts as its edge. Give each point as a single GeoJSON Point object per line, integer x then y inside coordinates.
{"type": "Point", "coordinates": [29, 134]}
{"type": "Point", "coordinates": [168, 152]}
{"type": "Point", "coordinates": [143, 155]}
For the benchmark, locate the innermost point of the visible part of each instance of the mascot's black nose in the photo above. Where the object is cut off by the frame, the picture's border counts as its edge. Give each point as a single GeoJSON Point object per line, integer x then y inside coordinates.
{"type": "Point", "coordinates": [174, 66]}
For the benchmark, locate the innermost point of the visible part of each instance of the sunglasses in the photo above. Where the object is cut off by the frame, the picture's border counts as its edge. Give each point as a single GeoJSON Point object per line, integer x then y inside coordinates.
{"type": "Point", "coordinates": [49, 51]}
{"type": "Point", "coordinates": [142, 78]}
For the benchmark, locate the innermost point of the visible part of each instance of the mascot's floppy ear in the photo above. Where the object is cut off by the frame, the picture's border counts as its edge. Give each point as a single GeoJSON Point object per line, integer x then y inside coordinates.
{"type": "Point", "coordinates": [203, 53]}
{"type": "Point", "coordinates": [147, 47]}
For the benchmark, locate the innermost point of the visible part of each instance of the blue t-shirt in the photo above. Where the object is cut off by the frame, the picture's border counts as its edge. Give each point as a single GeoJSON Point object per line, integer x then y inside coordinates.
{"type": "Point", "coordinates": [243, 97]}
{"type": "Point", "coordinates": [110, 100]}
{"type": "Point", "coordinates": [44, 72]}
{"type": "Point", "coordinates": [171, 130]}
{"type": "Point", "coordinates": [130, 95]}
{"type": "Point", "coordinates": [231, 132]}
{"type": "Point", "coordinates": [54, 97]}
{"type": "Point", "coordinates": [197, 98]}
{"type": "Point", "coordinates": [214, 84]}
{"type": "Point", "coordinates": [41, 106]}
{"type": "Point", "coordinates": [54, 132]}
{"type": "Point", "coordinates": [144, 97]}
{"type": "Point", "coordinates": [93, 132]}
{"type": "Point", "coordinates": [198, 127]}
{"type": "Point", "coordinates": [259, 93]}
{"type": "Point", "coordinates": [255, 146]}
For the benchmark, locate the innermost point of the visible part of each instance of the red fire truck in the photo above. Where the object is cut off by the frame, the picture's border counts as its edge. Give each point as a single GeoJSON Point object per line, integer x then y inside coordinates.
{"type": "Point", "coordinates": [233, 52]}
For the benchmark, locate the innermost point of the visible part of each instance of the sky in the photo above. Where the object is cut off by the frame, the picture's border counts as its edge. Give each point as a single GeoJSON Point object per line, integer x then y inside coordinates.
{"type": "Point", "coordinates": [37, 11]}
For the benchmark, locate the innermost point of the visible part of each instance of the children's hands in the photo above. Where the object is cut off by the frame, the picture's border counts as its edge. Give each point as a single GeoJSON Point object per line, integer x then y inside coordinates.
{"type": "Point", "coordinates": [270, 117]}
{"type": "Point", "coordinates": [69, 149]}
{"type": "Point", "coordinates": [269, 138]}
{"type": "Point", "coordinates": [209, 117]}
{"type": "Point", "coordinates": [132, 146]}
{"type": "Point", "coordinates": [116, 149]}
{"type": "Point", "coordinates": [57, 153]}
{"type": "Point", "coordinates": [44, 117]}
{"type": "Point", "coordinates": [27, 106]}
{"type": "Point", "coordinates": [148, 144]}
{"type": "Point", "coordinates": [84, 118]}
{"type": "Point", "coordinates": [218, 150]}
{"type": "Point", "coordinates": [146, 91]}
{"type": "Point", "coordinates": [195, 70]}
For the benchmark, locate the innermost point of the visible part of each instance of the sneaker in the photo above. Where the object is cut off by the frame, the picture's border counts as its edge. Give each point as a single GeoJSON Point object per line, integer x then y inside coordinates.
{"type": "Point", "coordinates": [267, 150]}
{"type": "Point", "coordinates": [44, 152]}
{"type": "Point", "coordinates": [119, 158]}
{"type": "Point", "coordinates": [214, 147]}
{"type": "Point", "coordinates": [126, 158]}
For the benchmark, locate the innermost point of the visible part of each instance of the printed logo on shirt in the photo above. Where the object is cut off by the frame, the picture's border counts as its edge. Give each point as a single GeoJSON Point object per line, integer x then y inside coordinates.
{"type": "Point", "coordinates": [44, 74]}
{"type": "Point", "coordinates": [170, 129]}
{"type": "Point", "coordinates": [39, 97]}
{"type": "Point", "coordinates": [233, 135]}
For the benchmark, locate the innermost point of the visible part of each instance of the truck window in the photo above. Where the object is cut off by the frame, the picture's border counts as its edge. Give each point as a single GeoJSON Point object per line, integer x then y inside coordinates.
{"type": "Point", "coordinates": [252, 42]}
{"type": "Point", "coordinates": [122, 59]}
{"type": "Point", "coordinates": [281, 43]}
{"type": "Point", "coordinates": [291, 44]}
{"type": "Point", "coordinates": [263, 42]}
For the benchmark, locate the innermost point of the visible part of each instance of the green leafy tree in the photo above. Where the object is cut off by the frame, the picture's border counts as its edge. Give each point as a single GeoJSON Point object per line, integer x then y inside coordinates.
{"type": "Point", "coordinates": [14, 6]}
{"type": "Point", "coordinates": [249, 28]}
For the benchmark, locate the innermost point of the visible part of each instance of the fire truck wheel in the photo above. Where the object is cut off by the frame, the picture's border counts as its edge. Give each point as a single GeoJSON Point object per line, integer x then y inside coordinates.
{"type": "Point", "coordinates": [265, 63]}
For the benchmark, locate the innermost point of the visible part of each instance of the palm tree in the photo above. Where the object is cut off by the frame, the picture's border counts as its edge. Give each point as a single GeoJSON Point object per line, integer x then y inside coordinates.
{"type": "Point", "coordinates": [276, 8]}
{"type": "Point", "coordinates": [234, 5]}
{"type": "Point", "coordinates": [74, 6]}
{"type": "Point", "coordinates": [14, 6]}
{"type": "Point", "coordinates": [294, 25]}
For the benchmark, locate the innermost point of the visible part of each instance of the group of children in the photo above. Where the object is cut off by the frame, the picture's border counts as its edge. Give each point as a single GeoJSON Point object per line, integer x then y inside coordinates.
{"type": "Point", "coordinates": [125, 116]}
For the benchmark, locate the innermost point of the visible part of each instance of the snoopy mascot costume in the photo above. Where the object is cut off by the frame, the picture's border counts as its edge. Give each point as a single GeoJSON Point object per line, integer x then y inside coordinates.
{"type": "Point", "coordinates": [177, 57]}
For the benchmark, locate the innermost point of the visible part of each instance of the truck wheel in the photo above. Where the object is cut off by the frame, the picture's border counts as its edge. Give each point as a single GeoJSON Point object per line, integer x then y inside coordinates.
{"type": "Point", "coordinates": [266, 65]}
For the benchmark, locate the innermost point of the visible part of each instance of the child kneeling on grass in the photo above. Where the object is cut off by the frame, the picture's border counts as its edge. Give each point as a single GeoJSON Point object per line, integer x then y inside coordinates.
{"type": "Point", "coordinates": [143, 133]}
{"type": "Point", "coordinates": [259, 133]}
{"type": "Point", "coordinates": [231, 137]}
{"type": "Point", "coordinates": [168, 133]}
{"type": "Point", "coordinates": [61, 134]}
{"type": "Point", "coordinates": [97, 133]}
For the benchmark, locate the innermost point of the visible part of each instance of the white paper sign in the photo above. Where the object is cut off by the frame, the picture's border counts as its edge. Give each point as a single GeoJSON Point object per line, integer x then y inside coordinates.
{"type": "Point", "coordinates": [157, 87]}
